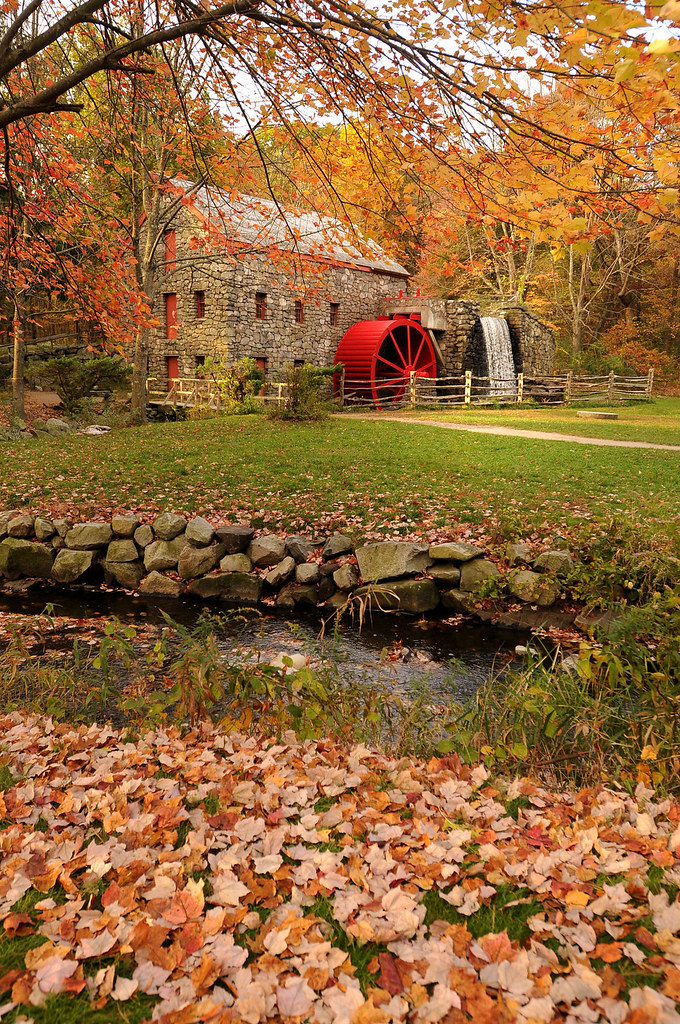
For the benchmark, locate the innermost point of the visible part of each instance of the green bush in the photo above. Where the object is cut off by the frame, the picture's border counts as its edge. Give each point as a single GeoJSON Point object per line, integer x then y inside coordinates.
{"type": "Point", "coordinates": [239, 384]}
{"type": "Point", "coordinates": [75, 379]}
{"type": "Point", "coordinates": [303, 399]}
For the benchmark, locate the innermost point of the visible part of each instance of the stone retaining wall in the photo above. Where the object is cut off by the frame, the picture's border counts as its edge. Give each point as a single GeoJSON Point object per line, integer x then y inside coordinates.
{"type": "Point", "coordinates": [173, 557]}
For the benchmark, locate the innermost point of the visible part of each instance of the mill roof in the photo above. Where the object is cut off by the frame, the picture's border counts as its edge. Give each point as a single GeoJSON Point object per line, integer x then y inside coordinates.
{"type": "Point", "coordinates": [263, 224]}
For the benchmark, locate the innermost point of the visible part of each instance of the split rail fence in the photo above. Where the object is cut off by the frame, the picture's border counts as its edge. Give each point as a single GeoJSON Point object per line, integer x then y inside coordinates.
{"type": "Point", "coordinates": [411, 391]}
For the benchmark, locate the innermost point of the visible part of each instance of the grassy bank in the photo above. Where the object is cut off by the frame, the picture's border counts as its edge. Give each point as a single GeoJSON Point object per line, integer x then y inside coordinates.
{"type": "Point", "coordinates": [367, 477]}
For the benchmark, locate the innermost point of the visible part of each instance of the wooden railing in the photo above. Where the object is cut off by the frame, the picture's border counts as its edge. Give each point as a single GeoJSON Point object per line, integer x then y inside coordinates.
{"type": "Point", "coordinates": [411, 391]}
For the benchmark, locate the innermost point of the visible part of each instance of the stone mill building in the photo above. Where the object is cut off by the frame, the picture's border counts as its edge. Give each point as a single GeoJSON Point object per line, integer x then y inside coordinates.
{"type": "Point", "coordinates": [239, 276]}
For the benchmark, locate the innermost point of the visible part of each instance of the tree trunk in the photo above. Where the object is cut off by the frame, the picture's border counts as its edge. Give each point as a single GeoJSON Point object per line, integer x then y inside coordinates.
{"type": "Point", "coordinates": [139, 371]}
{"type": "Point", "coordinates": [18, 326]}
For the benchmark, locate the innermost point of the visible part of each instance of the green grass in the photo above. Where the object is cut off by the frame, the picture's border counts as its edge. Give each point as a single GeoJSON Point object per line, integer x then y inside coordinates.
{"type": "Point", "coordinates": [342, 474]}
{"type": "Point", "coordinates": [493, 917]}
{"type": "Point", "coordinates": [657, 421]}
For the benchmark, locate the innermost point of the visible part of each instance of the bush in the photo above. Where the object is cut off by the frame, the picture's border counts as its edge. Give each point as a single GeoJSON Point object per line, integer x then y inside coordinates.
{"type": "Point", "coordinates": [303, 399]}
{"type": "Point", "coordinates": [239, 384]}
{"type": "Point", "coordinates": [75, 379]}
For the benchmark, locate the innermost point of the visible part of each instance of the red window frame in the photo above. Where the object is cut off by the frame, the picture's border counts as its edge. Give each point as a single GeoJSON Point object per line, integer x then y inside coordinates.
{"type": "Point", "coordinates": [171, 315]}
{"type": "Point", "coordinates": [199, 300]}
{"type": "Point", "coordinates": [334, 314]}
{"type": "Point", "coordinates": [299, 311]}
{"type": "Point", "coordinates": [260, 305]}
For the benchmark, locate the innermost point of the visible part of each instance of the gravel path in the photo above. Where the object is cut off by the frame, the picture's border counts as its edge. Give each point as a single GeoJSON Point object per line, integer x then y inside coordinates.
{"type": "Point", "coordinates": [540, 435]}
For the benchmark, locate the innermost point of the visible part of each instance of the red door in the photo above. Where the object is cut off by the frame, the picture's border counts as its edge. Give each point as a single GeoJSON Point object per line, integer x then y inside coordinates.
{"type": "Point", "coordinates": [173, 370]}
{"type": "Point", "coordinates": [171, 315]}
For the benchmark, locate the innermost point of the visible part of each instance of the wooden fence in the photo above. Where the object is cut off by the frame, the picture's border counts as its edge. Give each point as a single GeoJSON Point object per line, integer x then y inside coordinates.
{"type": "Point", "coordinates": [411, 391]}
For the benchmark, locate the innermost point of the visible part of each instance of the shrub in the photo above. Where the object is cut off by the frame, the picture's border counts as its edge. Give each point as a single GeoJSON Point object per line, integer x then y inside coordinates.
{"type": "Point", "coordinates": [239, 384]}
{"type": "Point", "coordinates": [303, 400]}
{"type": "Point", "coordinates": [75, 379]}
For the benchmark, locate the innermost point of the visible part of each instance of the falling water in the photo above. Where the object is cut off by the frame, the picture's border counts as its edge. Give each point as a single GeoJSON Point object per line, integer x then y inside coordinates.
{"type": "Point", "coordinates": [499, 356]}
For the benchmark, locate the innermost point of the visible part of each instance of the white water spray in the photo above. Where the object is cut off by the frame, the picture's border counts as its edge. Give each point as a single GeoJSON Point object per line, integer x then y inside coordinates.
{"type": "Point", "coordinates": [499, 356]}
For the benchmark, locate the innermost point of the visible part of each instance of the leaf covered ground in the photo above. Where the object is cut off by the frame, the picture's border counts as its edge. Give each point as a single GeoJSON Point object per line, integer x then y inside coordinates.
{"type": "Point", "coordinates": [210, 877]}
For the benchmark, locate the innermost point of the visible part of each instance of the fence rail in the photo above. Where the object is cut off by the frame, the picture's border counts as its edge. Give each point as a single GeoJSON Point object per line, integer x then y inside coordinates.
{"type": "Point", "coordinates": [410, 391]}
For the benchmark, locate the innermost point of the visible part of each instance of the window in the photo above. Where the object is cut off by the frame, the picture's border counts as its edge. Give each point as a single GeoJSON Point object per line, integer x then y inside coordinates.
{"type": "Point", "coordinates": [170, 244]}
{"type": "Point", "coordinates": [297, 363]}
{"type": "Point", "coordinates": [261, 363]}
{"type": "Point", "coordinates": [172, 367]}
{"type": "Point", "coordinates": [299, 312]}
{"type": "Point", "coordinates": [260, 305]}
{"type": "Point", "coordinates": [200, 360]}
{"type": "Point", "coordinates": [171, 315]}
{"type": "Point", "coordinates": [335, 310]}
{"type": "Point", "coordinates": [199, 299]}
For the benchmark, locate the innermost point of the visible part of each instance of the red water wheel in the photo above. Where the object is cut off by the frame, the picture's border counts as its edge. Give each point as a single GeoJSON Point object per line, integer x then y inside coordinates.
{"type": "Point", "coordinates": [379, 357]}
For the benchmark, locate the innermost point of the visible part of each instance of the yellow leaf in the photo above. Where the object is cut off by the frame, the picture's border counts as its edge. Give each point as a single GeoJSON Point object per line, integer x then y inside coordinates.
{"type": "Point", "coordinates": [648, 753]}
{"type": "Point", "coordinates": [576, 898]}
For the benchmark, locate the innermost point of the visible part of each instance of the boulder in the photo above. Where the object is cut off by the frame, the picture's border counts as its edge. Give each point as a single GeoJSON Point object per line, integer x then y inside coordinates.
{"type": "Point", "coordinates": [384, 560]}
{"type": "Point", "coordinates": [445, 573]}
{"type": "Point", "coordinates": [58, 542]}
{"type": "Point", "coordinates": [5, 519]}
{"type": "Point", "coordinates": [124, 526]}
{"type": "Point", "coordinates": [158, 585]}
{"type": "Point", "coordinates": [299, 548]}
{"type": "Point", "coordinates": [143, 536]}
{"type": "Point", "coordinates": [39, 425]}
{"type": "Point", "coordinates": [454, 551]}
{"type": "Point", "coordinates": [122, 551]}
{"type": "Point", "coordinates": [517, 554]}
{"type": "Point", "coordinates": [415, 596]}
{"type": "Point", "coordinates": [125, 574]}
{"type": "Point", "coordinates": [281, 572]}
{"type": "Point", "coordinates": [326, 588]}
{"type": "Point", "coordinates": [56, 426]}
{"type": "Point", "coordinates": [19, 557]}
{"type": "Point", "coordinates": [308, 572]}
{"type": "Point", "coordinates": [21, 526]}
{"type": "Point", "coordinates": [266, 550]}
{"type": "Point", "coordinates": [62, 526]}
{"type": "Point", "coordinates": [233, 587]}
{"type": "Point", "coordinates": [458, 601]}
{"type": "Point", "coordinates": [195, 562]}
{"type": "Point", "coordinates": [285, 597]}
{"type": "Point", "coordinates": [235, 537]}
{"type": "Point", "coordinates": [533, 587]}
{"type": "Point", "coordinates": [70, 566]}
{"type": "Point", "coordinates": [474, 573]}
{"type": "Point", "coordinates": [559, 562]}
{"type": "Point", "coordinates": [236, 563]}
{"type": "Point", "coordinates": [167, 525]}
{"type": "Point", "coordinates": [163, 554]}
{"type": "Point", "coordinates": [336, 545]}
{"type": "Point", "coordinates": [346, 577]}
{"type": "Point", "coordinates": [43, 529]}
{"type": "Point", "coordinates": [291, 595]}
{"type": "Point", "coordinates": [85, 536]}
{"type": "Point", "coordinates": [199, 532]}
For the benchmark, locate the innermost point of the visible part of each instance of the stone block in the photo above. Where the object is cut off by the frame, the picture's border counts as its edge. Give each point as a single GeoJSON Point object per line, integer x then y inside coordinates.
{"type": "Point", "coordinates": [559, 562]}
{"type": "Point", "coordinates": [308, 572]}
{"type": "Point", "coordinates": [389, 559]}
{"type": "Point", "coordinates": [124, 574]}
{"type": "Point", "coordinates": [43, 528]}
{"type": "Point", "coordinates": [21, 526]}
{"type": "Point", "coordinates": [124, 526]}
{"type": "Point", "coordinates": [266, 550]}
{"type": "Point", "coordinates": [195, 562]}
{"type": "Point", "coordinates": [20, 557]}
{"type": "Point", "coordinates": [199, 532]}
{"type": "Point", "coordinates": [235, 537]}
{"type": "Point", "coordinates": [70, 565]}
{"type": "Point", "coordinates": [299, 548]}
{"type": "Point", "coordinates": [416, 596]}
{"type": "Point", "coordinates": [86, 536]}
{"type": "Point", "coordinates": [346, 577]}
{"type": "Point", "coordinates": [233, 587]}
{"type": "Point", "coordinates": [445, 573]}
{"type": "Point", "coordinates": [458, 601]}
{"type": "Point", "coordinates": [122, 551]}
{"type": "Point", "coordinates": [167, 525]}
{"type": "Point", "coordinates": [281, 572]}
{"type": "Point", "coordinates": [5, 519]}
{"type": "Point", "coordinates": [143, 536]}
{"type": "Point", "coordinates": [454, 551]}
{"type": "Point", "coordinates": [337, 545]}
{"type": "Point", "coordinates": [62, 526]}
{"type": "Point", "coordinates": [163, 554]}
{"type": "Point", "coordinates": [56, 426]}
{"type": "Point", "coordinates": [534, 587]}
{"type": "Point", "coordinates": [236, 563]}
{"type": "Point", "coordinates": [476, 572]}
{"type": "Point", "coordinates": [158, 585]}
{"type": "Point", "coordinates": [517, 554]}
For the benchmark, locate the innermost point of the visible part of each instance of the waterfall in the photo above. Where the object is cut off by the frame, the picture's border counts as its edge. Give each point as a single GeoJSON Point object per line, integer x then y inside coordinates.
{"type": "Point", "coordinates": [499, 356]}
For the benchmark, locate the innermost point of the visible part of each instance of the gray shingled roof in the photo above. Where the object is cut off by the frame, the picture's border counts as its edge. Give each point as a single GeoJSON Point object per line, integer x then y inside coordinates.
{"type": "Point", "coordinates": [262, 225]}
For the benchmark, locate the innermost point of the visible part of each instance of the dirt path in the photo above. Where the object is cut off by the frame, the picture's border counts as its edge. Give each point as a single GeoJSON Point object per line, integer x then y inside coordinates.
{"type": "Point", "coordinates": [539, 435]}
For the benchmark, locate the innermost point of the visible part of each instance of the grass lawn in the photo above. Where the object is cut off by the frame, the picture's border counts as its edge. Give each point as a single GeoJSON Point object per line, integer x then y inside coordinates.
{"type": "Point", "coordinates": [367, 477]}
{"type": "Point", "coordinates": [658, 421]}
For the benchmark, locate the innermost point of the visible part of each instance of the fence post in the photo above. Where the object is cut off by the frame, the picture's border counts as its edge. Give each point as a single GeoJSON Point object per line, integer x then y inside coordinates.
{"type": "Point", "coordinates": [279, 398]}
{"type": "Point", "coordinates": [468, 387]}
{"type": "Point", "coordinates": [412, 388]}
{"type": "Point", "coordinates": [610, 387]}
{"type": "Point", "coordinates": [342, 388]}
{"type": "Point", "coordinates": [520, 387]}
{"type": "Point", "coordinates": [650, 383]}
{"type": "Point", "coordinates": [569, 387]}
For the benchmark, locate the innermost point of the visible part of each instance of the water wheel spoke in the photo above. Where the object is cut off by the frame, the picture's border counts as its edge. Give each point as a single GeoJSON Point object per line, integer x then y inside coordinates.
{"type": "Point", "coordinates": [388, 363]}
{"type": "Point", "coordinates": [416, 363]}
